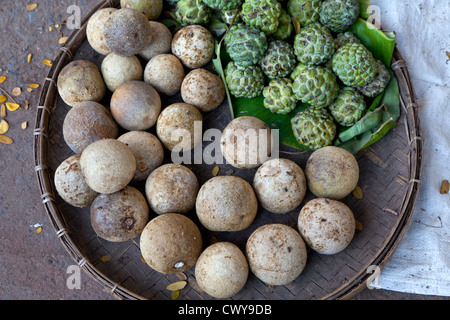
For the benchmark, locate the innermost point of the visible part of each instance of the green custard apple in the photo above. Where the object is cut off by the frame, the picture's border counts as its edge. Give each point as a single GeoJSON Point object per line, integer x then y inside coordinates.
{"type": "Point", "coordinates": [314, 44]}
{"type": "Point", "coordinates": [314, 128]}
{"type": "Point", "coordinates": [349, 107]}
{"type": "Point", "coordinates": [339, 15]}
{"type": "Point", "coordinates": [244, 83]}
{"type": "Point", "coordinates": [305, 11]}
{"type": "Point", "coordinates": [245, 45]}
{"type": "Point", "coordinates": [262, 14]}
{"type": "Point", "coordinates": [190, 12]}
{"type": "Point", "coordinates": [354, 65]}
{"type": "Point", "coordinates": [279, 60]}
{"type": "Point", "coordinates": [279, 97]}
{"type": "Point", "coordinates": [379, 83]}
{"type": "Point", "coordinates": [316, 86]}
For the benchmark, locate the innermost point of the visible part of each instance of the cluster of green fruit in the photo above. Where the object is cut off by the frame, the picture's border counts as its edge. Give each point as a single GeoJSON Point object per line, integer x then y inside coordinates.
{"type": "Point", "coordinates": [321, 64]}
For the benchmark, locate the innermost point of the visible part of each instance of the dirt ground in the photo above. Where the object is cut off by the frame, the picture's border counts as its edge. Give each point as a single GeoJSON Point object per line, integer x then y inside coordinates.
{"type": "Point", "coordinates": [35, 264]}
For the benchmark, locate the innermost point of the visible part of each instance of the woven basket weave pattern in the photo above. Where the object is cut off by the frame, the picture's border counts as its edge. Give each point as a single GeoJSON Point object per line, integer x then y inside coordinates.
{"type": "Point", "coordinates": [390, 175]}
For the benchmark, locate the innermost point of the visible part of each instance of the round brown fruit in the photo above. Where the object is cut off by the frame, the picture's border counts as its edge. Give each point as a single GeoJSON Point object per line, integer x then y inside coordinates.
{"type": "Point", "coordinates": [226, 203]}
{"type": "Point", "coordinates": [221, 270]}
{"type": "Point", "coordinates": [86, 123]}
{"type": "Point", "coordinates": [246, 142]}
{"type": "Point", "coordinates": [160, 43]}
{"type": "Point", "coordinates": [276, 254]}
{"type": "Point", "coordinates": [280, 185]}
{"type": "Point", "coordinates": [94, 30]}
{"type": "Point", "coordinates": [332, 172]}
{"type": "Point", "coordinates": [171, 243]}
{"type": "Point", "coordinates": [119, 216]}
{"type": "Point", "coordinates": [126, 31]}
{"type": "Point", "coordinates": [176, 127]}
{"type": "Point", "coordinates": [327, 225]}
{"type": "Point", "coordinates": [171, 188]}
{"type": "Point", "coordinates": [166, 73]}
{"type": "Point", "coordinates": [71, 184]}
{"type": "Point", "coordinates": [80, 81]}
{"type": "Point", "coordinates": [117, 70]}
{"type": "Point", "coordinates": [203, 89]}
{"type": "Point", "coordinates": [135, 105]}
{"type": "Point", "coordinates": [108, 165]}
{"type": "Point", "coordinates": [193, 45]}
{"type": "Point", "coordinates": [147, 150]}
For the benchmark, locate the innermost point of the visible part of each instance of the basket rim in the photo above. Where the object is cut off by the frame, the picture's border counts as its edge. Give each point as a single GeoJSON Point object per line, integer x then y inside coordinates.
{"type": "Point", "coordinates": [351, 288]}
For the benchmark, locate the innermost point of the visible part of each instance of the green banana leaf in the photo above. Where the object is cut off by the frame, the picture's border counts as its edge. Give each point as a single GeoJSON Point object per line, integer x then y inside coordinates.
{"type": "Point", "coordinates": [364, 133]}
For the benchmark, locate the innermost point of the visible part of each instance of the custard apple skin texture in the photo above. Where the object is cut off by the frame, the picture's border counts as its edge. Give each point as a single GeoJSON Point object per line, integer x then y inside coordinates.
{"type": "Point", "coordinates": [305, 11]}
{"type": "Point", "coordinates": [314, 44]}
{"type": "Point", "coordinates": [223, 4]}
{"type": "Point", "coordinates": [244, 83]}
{"type": "Point", "coordinates": [245, 45]}
{"type": "Point", "coordinates": [349, 107]}
{"type": "Point", "coordinates": [379, 83]}
{"type": "Point", "coordinates": [339, 15]}
{"type": "Point", "coordinates": [189, 12]}
{"type": "Point", "coordinates": [354, 65]}
{"type": "Point", "coordinates": [316, 86]}
{"type": "Point", "coordinates": [285, 26]}
{"type": "Point", "coordinates": [279, 59]}
{"type": "Point", "coordinates": [262, 14]}
{"type": "Point", "coordinates": [279, 97]}
{"type": "Point", "coordinates": [314, 128]}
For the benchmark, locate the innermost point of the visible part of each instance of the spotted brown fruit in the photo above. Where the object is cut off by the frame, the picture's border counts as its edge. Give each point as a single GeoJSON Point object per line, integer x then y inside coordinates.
{"type": "Point", "coordinates": [119, 216]}
{"type": "Point", "coordinates": [86, 123]}
{"type": "Point", "coordinates": [193, 45]}
{"type": "Point", "coordinates": [233, 266]}
{"type": "Point", "coordinates": [226, 203]}
{"type": "Point", "coordinates": [80, 81]}
{"type": "Point", "coordinates": [71, 184]}
{"type": "Point", "coordinates": [171, 243]}
{"type": "Point", "coordinates": [332, 172]}
{"type": "Point", "coordinates": [276, 254]}
{"type": "Point", "coordinates": [171, 188]}
{"type": "Point", "coordinates": [203, 89]}
{"type": "Point", "coordinates": [126, 31]}
{"type": "Point", "coordinates": [327, 225]}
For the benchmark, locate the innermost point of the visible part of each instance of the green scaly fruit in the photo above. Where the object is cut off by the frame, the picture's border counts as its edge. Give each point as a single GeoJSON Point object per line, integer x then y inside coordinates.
{"type": "Point", "coordinates": [349, 107]}
{"type": "Point", "coordinates": [354, 65]}
{"type": "Point", "coordinates": [314, 128]}
{"type": "Point", "coordinates": [279, 97]}
{"type": "Point", "coordinates": [223, 4]}
{"type": "Point", "coordinates": [285, 26]}
{"type": "Point", "coordinates": [379, 83]}
{"type": "Point", "coordinates": [262, 14]}
{"type": "Point", "coordinates": [305, 11]}
{"type": "Point", "coordinates": [297, 70]}
{"type": "Point", "coordinates": [344, 38]}
{"type": "Point", "coordinates": [190, 12]}
{"type": "Point", "coordinates": [232, 16]}
{"type": "Point", "coordinates": [279, 60]}
{"type": "Point", "coordinates": [339, 15]}
{"type": "Point", "coordinates": [314, 44]}
{"type": "Point", "coordinates": [245, 45]}
{"type": "Point", "coordinates": [316, 86]}
{"type": "Point", "coordinates": [244, 83]}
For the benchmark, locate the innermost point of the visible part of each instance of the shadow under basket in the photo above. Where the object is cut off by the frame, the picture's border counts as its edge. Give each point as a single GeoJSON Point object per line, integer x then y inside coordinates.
{"type": "Point", "coordinates": [390, 177]}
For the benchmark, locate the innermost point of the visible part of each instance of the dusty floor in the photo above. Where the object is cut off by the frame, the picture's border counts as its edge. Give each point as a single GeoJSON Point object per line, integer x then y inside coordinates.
{"type": "Point", "coordinates": [34, 265]}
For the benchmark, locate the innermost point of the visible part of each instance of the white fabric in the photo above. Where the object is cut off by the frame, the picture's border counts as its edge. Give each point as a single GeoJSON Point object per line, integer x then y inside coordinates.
{"type": "Point", "coordinates": [421, 264]}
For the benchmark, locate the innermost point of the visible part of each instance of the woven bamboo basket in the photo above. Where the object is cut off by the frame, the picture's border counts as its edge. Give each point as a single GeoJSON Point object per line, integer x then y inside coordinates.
{"type": "Point", "coordinates": [390, 177]}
